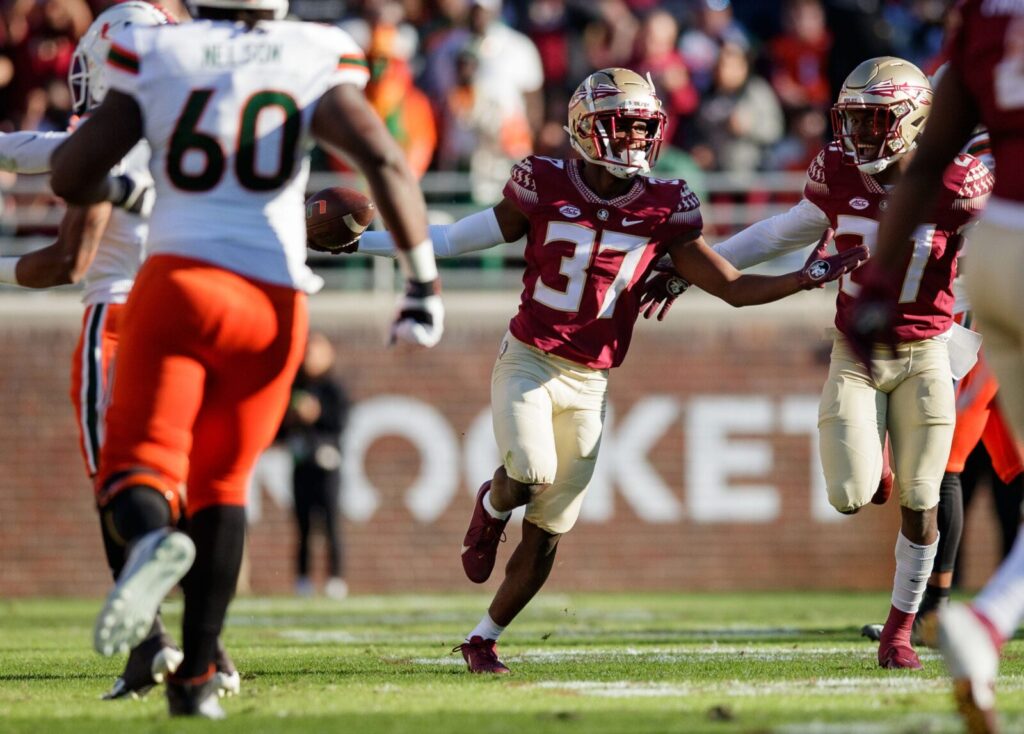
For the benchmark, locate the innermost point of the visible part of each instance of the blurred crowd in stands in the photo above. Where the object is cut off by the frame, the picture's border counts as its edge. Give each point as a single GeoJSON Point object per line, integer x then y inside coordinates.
{"type": "Point", "coordinates": [473, 85]}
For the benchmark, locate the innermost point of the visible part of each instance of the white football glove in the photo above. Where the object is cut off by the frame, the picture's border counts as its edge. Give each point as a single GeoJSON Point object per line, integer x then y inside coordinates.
{"type": "Point", "coordinates": [420, 319]}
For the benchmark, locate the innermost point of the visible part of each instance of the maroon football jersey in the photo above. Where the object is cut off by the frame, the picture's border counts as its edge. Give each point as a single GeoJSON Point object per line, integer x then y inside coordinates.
{"type": "Point", "coordinates": [987, 51]}
{"type": "Point", "coordinates": [854, 202]}
{"type": "Point", "coordinates": [587, 258]}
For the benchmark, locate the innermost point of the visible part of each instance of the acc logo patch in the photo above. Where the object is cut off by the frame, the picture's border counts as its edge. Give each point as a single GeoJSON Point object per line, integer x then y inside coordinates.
{"type": "Point", "coordinates": [859, 203]}
{"type": "Point", "coordinates": [818, 270]}
{"type": "Point", "coordinates": [570, 211]}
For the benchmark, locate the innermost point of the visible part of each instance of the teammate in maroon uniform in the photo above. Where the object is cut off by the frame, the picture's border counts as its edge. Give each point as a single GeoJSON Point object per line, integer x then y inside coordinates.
{"type": "Point", "coordinates": [984, 84]}
{"type": "Point", "coordinates": [594, 228]}
{"type": "Point", "coordinates": [881, 110]}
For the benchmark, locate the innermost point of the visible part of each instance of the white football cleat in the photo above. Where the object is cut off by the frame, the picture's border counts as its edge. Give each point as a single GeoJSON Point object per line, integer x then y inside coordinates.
{"type": "Point", "coordinates": [973, 661]}
{"type": "Point", "coordinates": [157, 562]}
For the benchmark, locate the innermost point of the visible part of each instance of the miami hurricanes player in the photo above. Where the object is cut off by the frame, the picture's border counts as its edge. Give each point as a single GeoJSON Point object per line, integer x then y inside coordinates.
{"type": "Point", "coordinates": [984, 85]}
{"type": "Point", "coordinates": [102, 249]}
{"type": "Point", "coordinates": [594, 227]}
{"type": "Point", "coordinates": [878, 118]}
{"type": "Point", "coordinates": [215, 327]}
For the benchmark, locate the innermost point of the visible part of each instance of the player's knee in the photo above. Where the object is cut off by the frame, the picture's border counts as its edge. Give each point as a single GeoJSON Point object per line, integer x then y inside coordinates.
{"type": "Point", "coordinates": [135, 511]}
{"type": "Point", "coordinates": [845, 501]}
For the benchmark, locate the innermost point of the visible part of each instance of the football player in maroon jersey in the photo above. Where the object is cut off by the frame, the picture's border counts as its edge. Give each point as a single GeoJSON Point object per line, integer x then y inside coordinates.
{"type": "Point", "coordinates": [594, 229]}
{"type": "Point", "coordinates": [984, 84]}
{"type": "Point", "coordinates": [881, 110]}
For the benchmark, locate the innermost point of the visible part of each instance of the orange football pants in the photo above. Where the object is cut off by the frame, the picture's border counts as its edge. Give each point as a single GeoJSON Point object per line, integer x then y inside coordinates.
{"type": "Point", "coordinates": [203, 378]}
{"type": "Point", "coordinates": [92, 368]}
{"type": "Point", "coordinates": [978, 418]}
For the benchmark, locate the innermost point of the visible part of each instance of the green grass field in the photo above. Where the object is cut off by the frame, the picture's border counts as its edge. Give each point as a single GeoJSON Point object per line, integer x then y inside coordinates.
{"type": "Point", "coordinates": [784, 663]}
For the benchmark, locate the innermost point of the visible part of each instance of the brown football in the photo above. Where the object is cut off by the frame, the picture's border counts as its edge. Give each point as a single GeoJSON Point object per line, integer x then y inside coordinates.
{"type": "Point", "coordinates": [336, 217]}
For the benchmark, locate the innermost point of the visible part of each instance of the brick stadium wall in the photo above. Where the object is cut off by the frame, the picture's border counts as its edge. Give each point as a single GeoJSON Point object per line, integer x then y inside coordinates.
{"type": "Point", "coordinates": [708, 477]}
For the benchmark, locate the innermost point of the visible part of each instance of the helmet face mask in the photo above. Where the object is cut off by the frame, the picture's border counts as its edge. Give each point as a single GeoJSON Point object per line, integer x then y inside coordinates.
{"type": "Point", "coordinates": [616, 121]}
{"type": "Point", "coordinates": [881, 111]}
{"type": "Point", "coordinates": [86, 75]}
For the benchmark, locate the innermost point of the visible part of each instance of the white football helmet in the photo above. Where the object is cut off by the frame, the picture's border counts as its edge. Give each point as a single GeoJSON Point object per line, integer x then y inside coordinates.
{"type": "Point", "coordinates": [280, 7]}
{"type": "Point", "coordinates": [86, 76]}
{"type": "Point", "coordinates": [599, 111]}
{"type": "Point", "coordinates": [881, 111]}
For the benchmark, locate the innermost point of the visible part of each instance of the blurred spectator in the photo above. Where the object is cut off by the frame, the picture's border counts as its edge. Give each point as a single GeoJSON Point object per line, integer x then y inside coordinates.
{"type": "Point", "coordinates": [656, 53]}
{"type": "Point", "coordinates": [481, 130]}
{"type": "Point", "coordinates": [44, 34]}
{"type": "Point", "coordinates": [312, 429]}
{"type": "Point", "coordinates": [917, 29]}
{"type": "Point", "coordinates": [865, 34]}
{"type": "Point", "coordinates": [799, 57]}
{"type": "Point", "coordinates": [508, 64]}
{"type": "Point", "coordinates": [608, 39]}
{"type": "Point", "coordinates": [807, 130]}
{"type": "Point", "coordinates": [699, 45]}
{"type": "Point", "coordinates": [367, 16]}
{"type": "Point", "coordinates": [738, 119]}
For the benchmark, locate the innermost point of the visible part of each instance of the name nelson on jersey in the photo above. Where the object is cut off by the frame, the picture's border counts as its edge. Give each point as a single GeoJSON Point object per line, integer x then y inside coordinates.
{"type": "Point", "coordinates": [229, 56]}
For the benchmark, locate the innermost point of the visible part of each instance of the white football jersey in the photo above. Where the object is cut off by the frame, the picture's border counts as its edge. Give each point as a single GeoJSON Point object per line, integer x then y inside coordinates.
{"type": "Point", "coordinates": [227, 112]}
{"type": "Point", "coordinates": [122, 246]}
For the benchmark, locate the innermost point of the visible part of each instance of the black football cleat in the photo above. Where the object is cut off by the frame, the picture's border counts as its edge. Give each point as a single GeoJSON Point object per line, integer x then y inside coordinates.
{"type": "Point", "coordinates": [198, 699]}
{"type": "Point", "coordinates": [229, 682]}
{"type": "Point", "coordinates": [148, 664]}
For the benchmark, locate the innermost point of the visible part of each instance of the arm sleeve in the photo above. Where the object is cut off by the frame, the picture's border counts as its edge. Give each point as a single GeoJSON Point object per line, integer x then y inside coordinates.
{"type": "Point", "coordinates": [799, 227]}
{"type": "Point", "coordinates": [478, 231]}
{"type": "Point", "coordinates": [28, 152]}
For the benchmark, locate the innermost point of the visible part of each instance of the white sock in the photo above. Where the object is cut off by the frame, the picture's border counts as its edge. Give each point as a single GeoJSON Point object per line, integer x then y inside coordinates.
{"type": "Point", "coordinates": [1002, 599]}
{"type": "Point", "coordinates": [913, 567]}
{"type": "Point", "coordinates": [487, 629]}
{"type": "Point", "coordinates": [497, 514]}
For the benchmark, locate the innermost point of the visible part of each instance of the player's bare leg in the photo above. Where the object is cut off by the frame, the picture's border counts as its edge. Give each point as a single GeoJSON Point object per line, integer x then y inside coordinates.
{"type": "Point", "coordinates": [525, 574]}
{"type": "Point", "coordinates": [915, 555]}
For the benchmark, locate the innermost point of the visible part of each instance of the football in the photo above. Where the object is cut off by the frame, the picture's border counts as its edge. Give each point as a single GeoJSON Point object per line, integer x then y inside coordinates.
{"type": "Point", "coordinates": [336, 217]}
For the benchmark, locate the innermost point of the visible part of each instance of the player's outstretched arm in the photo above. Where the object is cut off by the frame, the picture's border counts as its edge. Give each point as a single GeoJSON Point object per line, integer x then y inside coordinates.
{"type": "Point", "coordinates": [82, 163]}
{"type": "Point", "coordinates": [700, 265]}
{"type": "Point", "coordinates": [67, 259]}
{"type": "Point", "coordinates": [344, 120]}
{"type": "Point", "coordinates": [479, 231]}
{"type": "Point", "coordinates": [28, 152]}
{"type": "Point", "coordinates": [953, 118]}
{"type": "Point", "coordinates": [770, 238]}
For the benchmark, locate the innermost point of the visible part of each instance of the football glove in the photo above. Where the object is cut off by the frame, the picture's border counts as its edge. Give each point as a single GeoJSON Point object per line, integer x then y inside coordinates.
{"type": "Point", "coordinates": [131, 195]}
{"type": "Point", "coordinates": [420, 319]}
{"type": "Point", "coordinates": [661, 290]}
{"type": "Point", "coordinates": [822, 268]}
{"type": "Point", "coordinates": [872, 317]}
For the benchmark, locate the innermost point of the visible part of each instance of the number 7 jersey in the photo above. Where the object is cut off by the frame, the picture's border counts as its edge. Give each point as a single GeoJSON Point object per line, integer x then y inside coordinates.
{"type": "Point", "coordinates": [587, 258]}
{"type": "Point", "coordinates": [854, 202]}
{"type": "Point", "coordinates": [227, 112]}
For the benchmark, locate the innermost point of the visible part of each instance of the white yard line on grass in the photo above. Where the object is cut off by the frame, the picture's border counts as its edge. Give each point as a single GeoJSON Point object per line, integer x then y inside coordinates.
{"type": "Point", "coordinates": [736, 688]}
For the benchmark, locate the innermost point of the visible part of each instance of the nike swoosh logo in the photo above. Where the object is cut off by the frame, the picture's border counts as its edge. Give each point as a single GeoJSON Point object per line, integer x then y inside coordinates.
{"type": "Point", "coordinates": [630, 222]}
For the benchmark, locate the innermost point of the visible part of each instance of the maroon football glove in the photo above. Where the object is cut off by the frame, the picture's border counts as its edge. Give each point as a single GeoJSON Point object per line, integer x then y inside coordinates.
{"type": "Point", "coordinates": [822, 268]}
{"type": "Point", "coordinates": [871, 320]}
{"type": "Point", "coordinates": [661, 290]}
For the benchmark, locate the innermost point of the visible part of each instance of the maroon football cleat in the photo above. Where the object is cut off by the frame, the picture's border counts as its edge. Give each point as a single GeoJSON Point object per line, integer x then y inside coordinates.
{"type": "Point", "coordinates": [480, 546]}
{"type": "Point", "coordinates": [896, 654]}
{"type": "Point", "coordinates": [481, 656]}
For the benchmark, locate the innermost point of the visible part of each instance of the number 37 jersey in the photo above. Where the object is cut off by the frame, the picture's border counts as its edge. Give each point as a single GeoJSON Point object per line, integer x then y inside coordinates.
{"type": "Point", "coordinates": [854, 202]}
{"type": "Point", "coordinates": [587, 258]}
{"type": "Point", "coordinates": [227, 113]}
